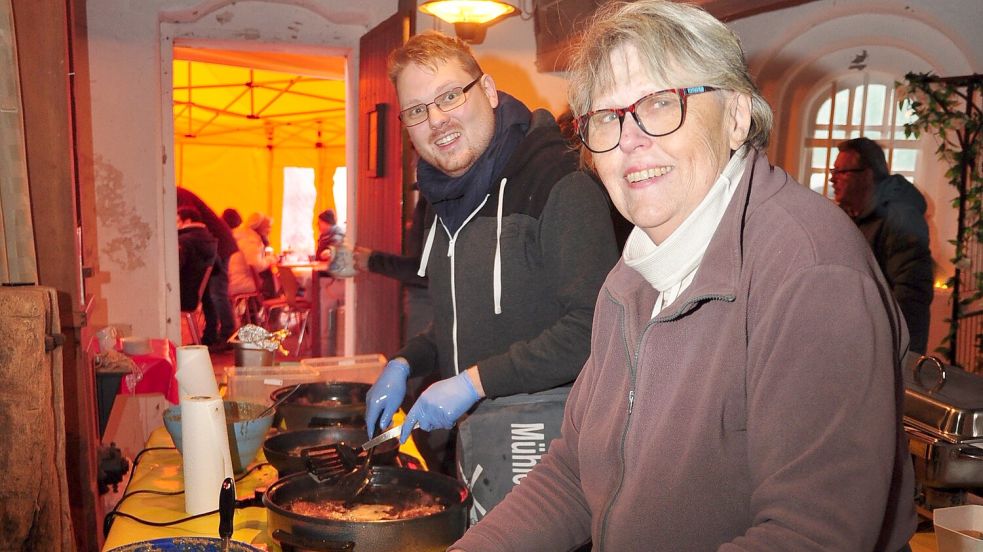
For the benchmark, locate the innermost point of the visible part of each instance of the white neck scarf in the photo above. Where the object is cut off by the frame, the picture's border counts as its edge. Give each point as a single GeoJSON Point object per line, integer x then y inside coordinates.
{"type": "Point", "coordinates": [671, 266]}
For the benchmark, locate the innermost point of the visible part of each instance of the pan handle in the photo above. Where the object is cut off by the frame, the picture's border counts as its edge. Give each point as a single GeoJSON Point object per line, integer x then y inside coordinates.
{"type": "Point", "coordinates": [918, 372]}
{"type": "Point", "coordinates": [307, 543]}
{"type": "Point", "coordinates": [971, 452]}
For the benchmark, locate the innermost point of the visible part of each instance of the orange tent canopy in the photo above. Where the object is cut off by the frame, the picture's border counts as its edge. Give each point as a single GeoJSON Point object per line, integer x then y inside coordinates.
{"type": "Point", "coordinates": [238, 125]}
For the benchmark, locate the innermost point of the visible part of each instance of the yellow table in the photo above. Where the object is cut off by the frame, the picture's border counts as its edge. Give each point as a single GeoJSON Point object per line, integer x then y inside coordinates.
{"type": "Point", "coordinates": [161, 470]}
{"type": "Point", "coordinates": [923, 542]}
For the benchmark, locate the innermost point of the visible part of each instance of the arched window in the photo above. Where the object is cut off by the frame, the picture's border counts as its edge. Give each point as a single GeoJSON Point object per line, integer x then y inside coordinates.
{"type": "Point", "coordinates": [855, 105]}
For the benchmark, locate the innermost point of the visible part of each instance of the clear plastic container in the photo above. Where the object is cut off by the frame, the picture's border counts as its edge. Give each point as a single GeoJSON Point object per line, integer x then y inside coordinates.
{"type": "Point", "coordinates": [255, 383]}
{"type": "Point", "coordinates": [958, 529]}
{"type": "Point", "coordinates": [358, 368]}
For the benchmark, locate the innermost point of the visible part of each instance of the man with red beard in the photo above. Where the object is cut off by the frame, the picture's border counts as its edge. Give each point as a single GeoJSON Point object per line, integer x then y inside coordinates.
{"type": "Point", "coordinates": [517, 242]}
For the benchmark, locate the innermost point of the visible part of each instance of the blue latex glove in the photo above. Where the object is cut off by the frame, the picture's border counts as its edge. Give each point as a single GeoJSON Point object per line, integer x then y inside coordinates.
{"type": "Point", "coordinates": [441, 405]}
{"type": "Point", "coordinates": [385, 397]}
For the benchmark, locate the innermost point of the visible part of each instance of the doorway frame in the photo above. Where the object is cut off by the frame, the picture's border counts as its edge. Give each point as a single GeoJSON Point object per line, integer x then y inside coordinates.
{"type": "Point", "coordinates": [169, 37]}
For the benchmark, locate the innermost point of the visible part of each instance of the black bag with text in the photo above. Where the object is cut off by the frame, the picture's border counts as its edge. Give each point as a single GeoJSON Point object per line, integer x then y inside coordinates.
{"type": "Point", "coordinates": [502, 440]}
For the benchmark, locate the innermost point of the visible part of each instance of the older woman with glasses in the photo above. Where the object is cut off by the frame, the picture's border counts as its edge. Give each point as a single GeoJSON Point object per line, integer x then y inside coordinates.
{"type": "Point", "coordinates": [743, 388]}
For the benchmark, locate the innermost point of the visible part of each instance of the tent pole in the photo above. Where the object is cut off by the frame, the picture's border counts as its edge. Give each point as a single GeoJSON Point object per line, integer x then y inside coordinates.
{"type": "Point", "coordinates": [270, 191]}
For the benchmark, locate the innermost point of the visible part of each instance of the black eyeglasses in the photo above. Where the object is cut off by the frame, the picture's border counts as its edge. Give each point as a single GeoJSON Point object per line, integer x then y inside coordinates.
{"type": "Point", "coordinates": [657, 114]}
{"type": "Point", "coordinates": [834, 172]}
{"type": "Point", "coordinates": [453, 98]}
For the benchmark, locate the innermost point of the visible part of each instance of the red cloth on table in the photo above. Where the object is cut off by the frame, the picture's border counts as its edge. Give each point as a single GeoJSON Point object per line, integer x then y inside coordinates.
{"type": "Point", "coordinates": [157, 368]}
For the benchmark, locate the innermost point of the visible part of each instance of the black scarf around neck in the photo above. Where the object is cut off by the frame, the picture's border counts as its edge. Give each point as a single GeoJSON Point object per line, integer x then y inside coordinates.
{"type": "Point", "coordinates": [454, 198]}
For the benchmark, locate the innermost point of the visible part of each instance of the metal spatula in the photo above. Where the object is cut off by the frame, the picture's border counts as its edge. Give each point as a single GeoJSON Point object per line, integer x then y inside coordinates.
{"type": "Point", "coordinates": [285, 396]}
{"type": "Point", "coordinates": [327, 463]}
{"type": "Point", "coordinates": [352, 484]}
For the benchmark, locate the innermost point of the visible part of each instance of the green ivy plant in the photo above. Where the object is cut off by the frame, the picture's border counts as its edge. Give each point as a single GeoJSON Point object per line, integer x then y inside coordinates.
{"type": "Point", "coordinates": [949, 109]}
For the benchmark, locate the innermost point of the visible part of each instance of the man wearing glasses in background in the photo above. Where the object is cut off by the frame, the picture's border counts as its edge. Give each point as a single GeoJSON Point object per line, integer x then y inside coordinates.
{"type": "Point", "coordinates": [517, 242]}
{"type": "Point", "coordinates": [890, 213]}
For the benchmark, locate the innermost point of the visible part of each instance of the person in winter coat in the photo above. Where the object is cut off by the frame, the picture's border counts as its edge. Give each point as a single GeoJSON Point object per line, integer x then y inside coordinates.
{"type": "Point", "coordinates": [330, 235]}
{"type": "Point", "coordinates": [250, 268]}
{"type": "Point", "coordinates": [220, 322]}
{"type": "Point", "coordinates": [232, 218]}
{"type": "Point", "coordinates": [890, 213]}
{"type": "Point", "coordinates": [197, 250]}
{"type": "Point", "coordinates": [516, 242]}
{"type": "Point", "coordinates": [743, 390]}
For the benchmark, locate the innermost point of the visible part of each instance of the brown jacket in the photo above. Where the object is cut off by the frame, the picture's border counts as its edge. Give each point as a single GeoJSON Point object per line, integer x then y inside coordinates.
{"type": "Point", "coordinates": [759, 411]}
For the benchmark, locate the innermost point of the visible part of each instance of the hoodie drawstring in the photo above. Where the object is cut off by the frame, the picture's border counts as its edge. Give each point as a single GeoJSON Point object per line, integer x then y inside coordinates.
{"type": "Point", "coordinates": [425, 257]}
{"type": "Point", "coordinates": [497, 271]}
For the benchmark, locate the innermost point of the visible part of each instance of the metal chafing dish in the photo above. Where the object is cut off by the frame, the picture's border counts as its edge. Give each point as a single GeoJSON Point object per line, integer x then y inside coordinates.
{"type": "Point", "coordinates": [943, 417]}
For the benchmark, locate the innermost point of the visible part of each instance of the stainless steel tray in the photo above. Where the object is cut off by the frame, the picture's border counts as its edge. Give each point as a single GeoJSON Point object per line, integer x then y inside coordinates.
{"type": "Point", "coordinates": [942, 464]}
{"type": "Point", "coordinates": [944, 401]}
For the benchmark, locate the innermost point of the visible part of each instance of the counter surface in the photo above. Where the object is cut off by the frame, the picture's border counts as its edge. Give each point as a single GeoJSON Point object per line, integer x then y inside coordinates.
{"type": "Point", "coordinates": [160, 471]}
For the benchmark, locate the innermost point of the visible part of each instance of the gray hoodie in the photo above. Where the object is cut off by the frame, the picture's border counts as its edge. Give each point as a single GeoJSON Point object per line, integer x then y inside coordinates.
{"type": "Point", "coordinates": [514, 288]}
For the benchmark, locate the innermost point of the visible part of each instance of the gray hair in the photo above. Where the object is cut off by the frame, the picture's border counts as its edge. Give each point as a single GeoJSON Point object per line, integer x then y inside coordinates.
{"type": "Point", "coordinates": [870, 154]}
{"type": "Point", "coordinates": [670, 37]}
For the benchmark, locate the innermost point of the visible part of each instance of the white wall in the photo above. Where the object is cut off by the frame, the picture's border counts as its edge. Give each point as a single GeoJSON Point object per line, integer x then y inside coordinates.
{"type": "Point", "coordinates": [792, 50]}
{"type": "Point", "coordinates": [130, 60]}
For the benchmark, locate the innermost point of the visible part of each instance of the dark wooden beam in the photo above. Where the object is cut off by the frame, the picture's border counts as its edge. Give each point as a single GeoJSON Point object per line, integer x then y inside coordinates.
{"type": "Point", "coordinates": [379, 194]}
{"type": "Point", "coordinates": [44, 33]}
{"type": "Point", "coordinates": [730, 10]}
{"type": "Point", "coordinates": [560, 23]}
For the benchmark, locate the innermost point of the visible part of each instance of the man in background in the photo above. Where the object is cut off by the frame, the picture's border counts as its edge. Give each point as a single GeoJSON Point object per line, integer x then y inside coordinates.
{"type": "Point", "coordinates": [197, 251]}
{"type": "Point", "coordinates": [220, 322]}
{"type": "Point", "coordinates": [250, 269]}
{"type": "Point", "coordinates": [330, 235]}
{"type": "Point", "coordinates": [232, 218]}
{"type": "Point", "coordinates": [890, 213]}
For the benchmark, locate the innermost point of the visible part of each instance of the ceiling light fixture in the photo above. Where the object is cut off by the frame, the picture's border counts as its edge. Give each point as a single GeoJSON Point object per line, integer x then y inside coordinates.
{"type": "Point", "coordinates": [470, 17]}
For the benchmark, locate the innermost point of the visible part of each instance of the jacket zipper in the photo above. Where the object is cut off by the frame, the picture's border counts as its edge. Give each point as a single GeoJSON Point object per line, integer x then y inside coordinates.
{"type": "Point", "coordinates": [450, 253]}
{"type": "Point", "coordinates": [685, 307]}
{"type": "Point", "coordinates": [624, 434]}
{"type": "Point", "coordinates": [633, 371]}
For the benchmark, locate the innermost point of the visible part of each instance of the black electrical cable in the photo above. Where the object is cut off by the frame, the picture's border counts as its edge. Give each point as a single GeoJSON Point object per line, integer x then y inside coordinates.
{"type": "Point", "coordinates": [174, 493]}
{"type": "Point", "coordinates": [255, 501]}
{"type": "Point", "coordinates": [136, 458]}
{"type": "Point", "coordinates": [161, 523]}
